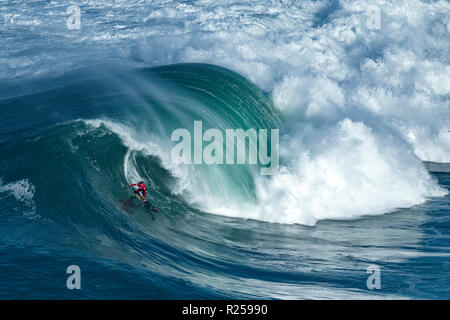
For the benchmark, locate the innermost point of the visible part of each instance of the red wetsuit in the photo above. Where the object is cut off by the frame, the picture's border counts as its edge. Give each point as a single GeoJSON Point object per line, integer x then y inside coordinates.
{"type": "Point", "coordinates": [141, 188]}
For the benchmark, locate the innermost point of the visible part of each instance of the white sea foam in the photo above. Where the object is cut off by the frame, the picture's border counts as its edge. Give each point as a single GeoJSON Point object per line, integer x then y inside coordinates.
{"type": "Point", "coordinates": [319, 59]}
{"type": "Point", "coordinates": [350, 171]}
{"type": "Point", "coordinates": [22, 190]}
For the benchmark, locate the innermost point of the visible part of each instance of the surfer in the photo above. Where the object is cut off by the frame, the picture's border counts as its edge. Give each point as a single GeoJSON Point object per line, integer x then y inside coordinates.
{"type": "Point", "coordinates": [141, 191]}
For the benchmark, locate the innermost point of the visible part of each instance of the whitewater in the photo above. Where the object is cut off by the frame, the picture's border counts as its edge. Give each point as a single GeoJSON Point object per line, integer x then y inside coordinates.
{"type": "Point", "coordinates": [364, 147]}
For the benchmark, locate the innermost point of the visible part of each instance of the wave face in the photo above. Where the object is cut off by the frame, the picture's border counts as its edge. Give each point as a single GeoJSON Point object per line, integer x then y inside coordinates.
{"type": "Point", "coordinates": [358, 112]}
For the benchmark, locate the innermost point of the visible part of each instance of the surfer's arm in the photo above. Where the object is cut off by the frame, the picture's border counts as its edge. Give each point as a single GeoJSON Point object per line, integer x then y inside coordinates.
{"type": "Point", "coordinates": [132, 185]}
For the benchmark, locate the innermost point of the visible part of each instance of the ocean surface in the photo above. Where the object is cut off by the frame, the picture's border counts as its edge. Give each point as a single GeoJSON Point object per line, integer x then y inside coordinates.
{"type": "Point", "coordinates": [362, 190]}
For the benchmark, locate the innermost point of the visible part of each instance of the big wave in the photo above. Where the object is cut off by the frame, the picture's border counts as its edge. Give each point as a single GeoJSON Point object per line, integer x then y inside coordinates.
{"type": "Point", "coordinates": [351, 165]}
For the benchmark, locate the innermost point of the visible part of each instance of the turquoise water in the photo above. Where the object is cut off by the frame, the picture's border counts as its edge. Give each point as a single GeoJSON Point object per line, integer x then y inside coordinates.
{"type": "Point", "coordinates": [364, 150]}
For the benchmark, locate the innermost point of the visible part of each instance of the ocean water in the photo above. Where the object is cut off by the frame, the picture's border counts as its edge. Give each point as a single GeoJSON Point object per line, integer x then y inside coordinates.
{"type": "Point", "coordinates": [363, 116]}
